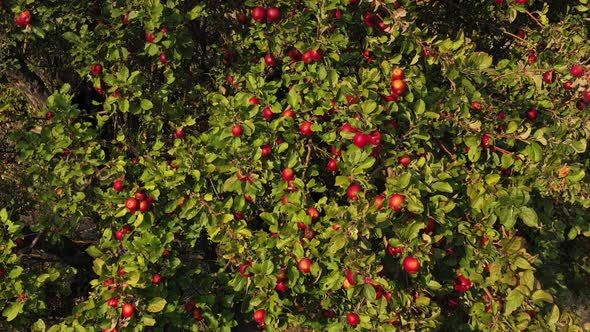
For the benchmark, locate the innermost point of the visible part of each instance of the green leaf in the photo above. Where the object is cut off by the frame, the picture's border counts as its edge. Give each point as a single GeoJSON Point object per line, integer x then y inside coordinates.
{"type": "Point", "coordinates": [513, 301]}
{"type": "Point", "coordinates": [369, 292]}
{"type": "Point", "coordinates": [3, 215]}
{"type": "Point", "coordinates": [93, 251]}
{"type": "Point", "coordinates": [444, 187]}
{"type": "Point", "coordinates": [554, 316]}
{"type": "Point", "coordinates": [156, 305]}
{"type": "Point", "coordinates": [542, 296]}
{"type": "Point", "coordinates": [39, 326]}
{"type": "Point", "coordinates": [529, 216]}
{"type": "Point", "coordinates": [492, 179]}
{"type": "Point", "coordinates": [146, 104]}
{"type": "Point", "coordinates": [336, 243]}
{"type": "Point", "coordinates": [13, 310]}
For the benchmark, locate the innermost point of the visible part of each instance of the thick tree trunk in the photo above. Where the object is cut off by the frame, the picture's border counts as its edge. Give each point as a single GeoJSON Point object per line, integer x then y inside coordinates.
{"type": "Point", "coordinates": [30, 86]}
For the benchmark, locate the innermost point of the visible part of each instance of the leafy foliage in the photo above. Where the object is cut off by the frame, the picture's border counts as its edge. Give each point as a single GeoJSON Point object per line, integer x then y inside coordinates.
{"type": "Point", "coordinates": [425, 158]}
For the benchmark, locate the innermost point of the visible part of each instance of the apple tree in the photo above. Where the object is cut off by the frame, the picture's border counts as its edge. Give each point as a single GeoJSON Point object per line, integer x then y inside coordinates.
{"type": "Point", "coordinates": [307, 165]}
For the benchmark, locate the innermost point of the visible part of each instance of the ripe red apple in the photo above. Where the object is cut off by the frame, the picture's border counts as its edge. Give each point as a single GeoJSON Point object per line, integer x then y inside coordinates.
{"type": "Point", "coordinates": [140, 195]}
{"type": "Point", "coordinates": [266, 150]}
{"type": "Point", "coordinates": [405, 160]}
{"type": "Point", "coordinates": [113, 302]}
{"type": "Point", "coordinates": [316, 55]}
{"type": "Point", "coordinates": [48, 116]}
{"type": "Point", "coordinates": [96, 69]}
{"type": "Point", "coordinates": [411, 264]}
{"type": "Point", "coordinates": [397, 74]}
{"type": "Point", "coordinates": [532, 57]}
{"type": "Point", "coordinates": [501, 115]}
{"type": "Point", "coordinates": [289, 113]}
{"type": "Point", "coordinates": [353, 319]}
{"type": "Point", "coordinates": [379, 201]}
{"type": "Point", "coordinates": [273, 14]}
{"type": "Point", "coordinates": [462, 284]}
{"type": "Point", "coordinates": [313, 213]}
{"type": "Point", "coordinates": [532, 114]}
{"type": "Point", "coordinates": [375, 137]}
{"type": "Point", "coordinates": [332, 165]}
{"type": "Point", "coordinates": [304, 265]}
{"type": "Point", "coordinates": [144, 206]}
{"type": "Point", "coordinates": [305, 129]}
{"type": "Point", "coordinates": [295, 54]}
{"type": "Point", "coordinates": [156, 278]}
{"type": "Point", "coordinates": [476, 105]}
{"type": "Point", "coordinates": [586, 95]}
{"type": "Point", "coordinates": [179, 133]}
{"type": "Point", "coordinates": [568, 85]}
{"type": "Point", "coordinates": [396, 202]}
{"type": "Point", "coordinates": [270, 59]}
{"type": "Point", "coordinates": [125, 18]}
{"type": "Point", "coordinates": [307, 57]}
{"type": "Point", "coordinates": [580, 104]}
{"type": "Point", "coordinates": [198, 314]}
{"type": "Point", "coordinates": [398, 87]}
{"type": "Point", "coordinates": [577, 70]}
{"type": "Point", "coordinates": [259, 14]}
{"type": "Point", "coordinates": [522, 2]}
{"type": "Point", "coordinates": [150, 37]}
{"type": "Point", "coordinates": [349, 128]}
{"type": "Point", "coordinates": [288, 174]}
{"type": "Point", "coordinates": [361, 140]}
{"type": "Point", "coordinates": [254, 100]}
{"type": "Point", "coordinates": [118, 185]}
{"type": "Point", "coordinates": [259, 316]}
{"type": "Point", "coordinates": [237, 131]}
{"type": "Point", "coordinates": [486, 141]}
{"type": "Point", "coordinates": [128, 310]}
{"type": "Point", "coordinates": [549, 77]}
{"type": "Point", "coordinates": [281, 286]}
{"type": "Point", "coordinates": [132, 204]}
{"type": "Point", "coordinates": [267, 113]}
{"type": "Point", "coordinates": [353, 190]}
{"type": "Point", "coordinates": [24, 18]}
{"type": "Point", "coordinates": [163, 58]}
{"type": "Point", "coordinates": [243, 268]}
{"type": "Point", "coordinates": [430, 226]}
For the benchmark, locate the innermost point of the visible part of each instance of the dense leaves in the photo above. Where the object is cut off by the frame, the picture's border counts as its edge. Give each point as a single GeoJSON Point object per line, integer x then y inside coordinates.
{"type": "Point", "coordinates": [335, 164]}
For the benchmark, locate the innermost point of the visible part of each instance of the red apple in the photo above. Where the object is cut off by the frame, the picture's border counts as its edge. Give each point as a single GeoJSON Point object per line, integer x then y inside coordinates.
{"type": "Point", "coordinates": [332, 165]}
{"type": "Point", "coordinates": [237, 131]}
{"type": "Point", "coordinates": [179, 133]}
{"type": "Point", "coordinates": [118, 185]}
{"type": "Point", "coordinates": [128, 310]}
{"type": "Point", "coordinates": [24, 18]}
{"type": "Point", "coordinates": [150, 37]}
{"type": "Point", "coordinates": [266, 150]}
{"type": "Point", "coordinates": [486, 141]}
{"type": "Point", "coordinates": [270, 59]}
{"type": "Point", "coordinates": [396, 202]}
{"type": "Point", "coordinates": [577, 70]}
{"type": "Point", "coordinates": [532, 114]}
{"type": "Point", "coordinates": [549, 77]}
{"type": "Point", "coordinates": [96, 69]}
{"type": "Point", "coordinates": [397, 74]}
{"type": "Point", "coordinates": [295, 55]}
{"type": "Point", "coordinates": [398, 87]}
{"type": "Point", "coordinates": [156, 278]}
{"type": "Point", "coordinates": [254, 100]}
{"type": "Point", "coordinates": [361, 140]}
{"type": "Point", "coordinates": [144, 206]}
{"type": "Point", "coordinates": [163, 58]}
{"type": "Point", "coordinates": [140, 195]}
{"type": "Point", "coordinates": [198, 314]}
{"type": "Point", "coordinates": [568, 85]}
{"type": "Point", "coordinates": [353, 190]}
{"type": "Point", "coordinates": [132, 204]}
{"type": "Point", "coordinates": [313, 213]}
{"type": "Point", "coordinates": [379, 201]}
{"type": "Point", "coordinates": [48, 116]}
{"type": "Point", "coordinates": [259, 316]}
{"type": "Point", "coordinates": [273, 14]}
{"type": "Point", "coordinates": [476, 105]}
{"type": "Point", "coordinates": [307, 57]}
{"type": "Point", "coordinates": [304, 265]}
{"type": "Point", "coordinates": [586, 95]}
{"type": "Point", "coordinates": [281, 286]}
{"type": "Point", "coordinates": [305, 129]}
{"type": "Point", "coordinates": [288, 174]}
{"type": "Point", "coordinates": [267, 113]}
{"type": "Point", "coordinates": [411, 264]}
{"type": "Point", "coordinates": [243, 268]}
{"type": "Point", "coordinates": [405, 160]}
{"type": "Point", "coordinates": [353, 319]}
{"type": "Point", "coordinates": [259, 14]}
{"type": "Point", "coordinates": [113, 302]}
